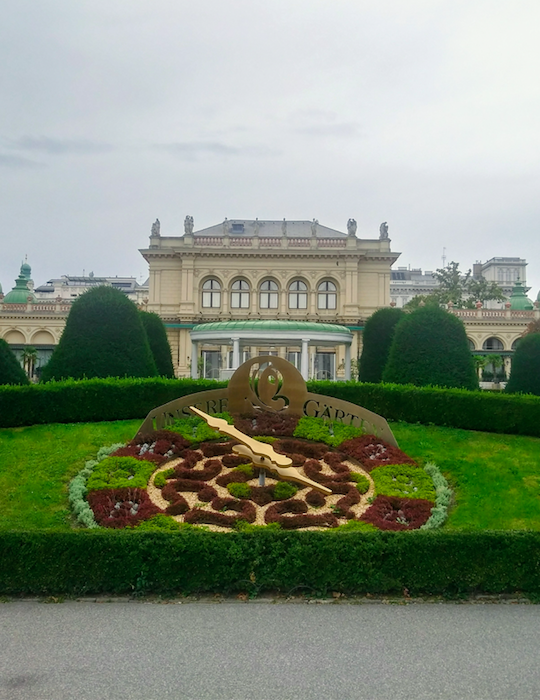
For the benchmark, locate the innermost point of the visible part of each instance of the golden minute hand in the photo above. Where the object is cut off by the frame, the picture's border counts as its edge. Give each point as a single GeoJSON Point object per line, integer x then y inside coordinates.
{"type": "Point", "coordinates": [258, 448]}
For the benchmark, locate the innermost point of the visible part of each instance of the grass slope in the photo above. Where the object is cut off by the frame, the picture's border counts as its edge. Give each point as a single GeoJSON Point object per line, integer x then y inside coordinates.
{"type": "Point", "coordinates": [496, 478]}
{"type": "Point", "coordinates": [37, 463]}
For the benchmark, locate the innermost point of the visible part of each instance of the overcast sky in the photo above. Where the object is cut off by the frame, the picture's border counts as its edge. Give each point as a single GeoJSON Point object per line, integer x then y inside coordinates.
{"type": "Point", "coordinates": [422, 113]}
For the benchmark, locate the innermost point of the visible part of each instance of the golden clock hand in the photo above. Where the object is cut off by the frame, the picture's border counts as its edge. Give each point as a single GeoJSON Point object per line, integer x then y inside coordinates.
{"type": "Point", "coordinates": [287, 473]}
{"type": "Point", "coordinates": [258, 448]}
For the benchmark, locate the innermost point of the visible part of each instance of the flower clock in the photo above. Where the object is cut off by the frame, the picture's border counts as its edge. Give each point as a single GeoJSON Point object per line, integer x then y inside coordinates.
{"type": "Point", "coordinates": [234, 472]}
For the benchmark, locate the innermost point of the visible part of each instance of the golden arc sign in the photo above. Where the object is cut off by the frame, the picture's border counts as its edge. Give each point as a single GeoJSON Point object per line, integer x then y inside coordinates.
{"type": "Point", "coordinates": [268, 383]}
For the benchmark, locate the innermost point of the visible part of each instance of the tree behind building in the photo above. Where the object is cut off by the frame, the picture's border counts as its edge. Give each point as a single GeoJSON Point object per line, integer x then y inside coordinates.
{"type": "Point", "coordinates": [159, 343]}
{"type": "Point", "coordinates": [377, 339]}
{"type": "Point", "coordinates": [430, 348]}
{"type": "Point", "coordinates": [104, 337]}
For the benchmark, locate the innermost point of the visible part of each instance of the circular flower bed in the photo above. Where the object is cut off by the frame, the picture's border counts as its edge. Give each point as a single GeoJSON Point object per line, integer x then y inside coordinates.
{"type": "Point", "coordinates": [206, 484]}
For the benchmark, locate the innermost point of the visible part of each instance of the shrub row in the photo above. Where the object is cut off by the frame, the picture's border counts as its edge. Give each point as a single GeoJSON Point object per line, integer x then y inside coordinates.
{"type": "Point", "coordinates": [188, 562]}
{"type": "Point", "coordinates": [120, 399]}
{"type": "Point", "coordinates": [92, 400]}
{"type": "Point", "coordinates": [455, 408]}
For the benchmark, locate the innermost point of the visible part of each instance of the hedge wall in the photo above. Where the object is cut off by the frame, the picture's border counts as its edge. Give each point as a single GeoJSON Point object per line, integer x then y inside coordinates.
{"type": "Point", "coordinates": [120, 399]}
{"type": "Point", "coordinates": [92, 400]}
{"type": "Point", "coordinates": [517, 414]}
{"type": "Point", "coordinates": [425, 563]}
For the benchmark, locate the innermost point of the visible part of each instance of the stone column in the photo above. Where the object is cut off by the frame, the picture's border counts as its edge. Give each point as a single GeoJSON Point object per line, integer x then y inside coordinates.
{"type": "Point", "coordinates": [194, 359]}
{"type": "Point", "coordinates": [304, 360]}
{"type": "Point", "coordinates": [347, 362]}
{"type": "Point", "coordinates": [236, 352]}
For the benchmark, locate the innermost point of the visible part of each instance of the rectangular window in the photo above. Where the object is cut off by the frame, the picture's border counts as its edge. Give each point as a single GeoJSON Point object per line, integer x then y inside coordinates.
{"type": "Point", "coordinates": [211, 364]}
{"type": "Point", "coordinates": [325, 365]}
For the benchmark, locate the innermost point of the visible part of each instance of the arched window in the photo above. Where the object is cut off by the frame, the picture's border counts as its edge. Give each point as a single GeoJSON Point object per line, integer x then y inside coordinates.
{"type": "Point", "coordinates": [327, 295]}
{"type": "Point", "coordinates": [211, 296]}
{"type": "Point", "coordinates": [240, 295]}
{"type": "Point", "coordinates": [492, 344]}
{"type": "Point", "coordinates": [471, 344]}
{"type": "Point", "coordinates": [268, 295]}
{"type": "Point", "coordinates": [298, 295]}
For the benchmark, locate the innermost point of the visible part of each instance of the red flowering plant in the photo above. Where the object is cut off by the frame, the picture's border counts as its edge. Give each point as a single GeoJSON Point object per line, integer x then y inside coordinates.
{"type": "Point", "coordinates": [372, 452]}
{"type": "Point", "coordinates": [391, 513]}
{"type": "Point", "coordinates": [121, 507]}
{"type": "Point", "coordinates": [157, 446]}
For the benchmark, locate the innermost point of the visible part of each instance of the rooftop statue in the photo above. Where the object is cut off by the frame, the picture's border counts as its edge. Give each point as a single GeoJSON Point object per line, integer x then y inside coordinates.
{"type": "Point", "coordinates": [314, 225]}
{"type": "Point", "coordinates": [156, 228]}
{"type": "Point", "coordinates": [383, 231]}
{"type": "Point", "coordinates": [188, 224]}
{"type": "Point", "coordinates": [225, 225]}
{"type": "Point", "coordinates": [257, 227]}
{"type": "Point", "coordinates": [284, 227]}
{"type": "Point", "coordinates": [351, 227]}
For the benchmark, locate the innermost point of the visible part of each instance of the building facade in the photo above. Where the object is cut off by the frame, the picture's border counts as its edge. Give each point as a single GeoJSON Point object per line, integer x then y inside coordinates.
{"type": "Point", "coordinates": [261, 272]}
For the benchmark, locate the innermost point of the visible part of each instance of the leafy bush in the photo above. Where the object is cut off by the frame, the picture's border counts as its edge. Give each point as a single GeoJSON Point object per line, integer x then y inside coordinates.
{"type": "Point", "coordinates": [120, 472]}
{"type": "Point", "coordinates": [159, 343]}
{"type": "Point", "coordinates": [377, 338]}
{"type": "Point", "coordinates": [330, 432]}
{"type": "Point", "coordinates": [162, 522]}
{"type": "Point", "coordinates": [161, 478]}
{"type": "Point", "coordinates": [403, 481]}
{"type": "Point", "coordinates": [246, 469]}
{"type": "Point", "coordinates": [430, 348]}
{"type": "Point", "coordinates": [239, 490]}
{"type": "Point", "coordinates": [103, 337]}
{"type": "Point", "coordinates": [525, 372]}
{"type": "Point", "coordinates": [361, 481]}
{"type": "Point", "coordinates": [284, 490]}
{"type": "Point", "coordinates": [11, 371]}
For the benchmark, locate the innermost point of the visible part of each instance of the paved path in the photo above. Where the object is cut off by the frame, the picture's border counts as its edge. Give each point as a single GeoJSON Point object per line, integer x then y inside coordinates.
{"type": "Point", "coordinates": [257, 651]}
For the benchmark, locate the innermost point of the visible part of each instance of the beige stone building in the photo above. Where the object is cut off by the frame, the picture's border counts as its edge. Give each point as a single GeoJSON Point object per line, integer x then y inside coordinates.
{"type": "Point", "coordinates": [244, 277]}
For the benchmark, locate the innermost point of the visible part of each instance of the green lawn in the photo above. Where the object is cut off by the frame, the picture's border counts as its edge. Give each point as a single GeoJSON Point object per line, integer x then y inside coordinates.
{"type": "Point", "coordinates": [496, 478]}
{"type": "Point", "coordinates": [37, 463]}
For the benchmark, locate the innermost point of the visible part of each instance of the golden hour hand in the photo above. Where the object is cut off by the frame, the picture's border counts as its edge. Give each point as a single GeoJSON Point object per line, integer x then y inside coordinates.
{"type": "Point", "coordinates": [260, 453]}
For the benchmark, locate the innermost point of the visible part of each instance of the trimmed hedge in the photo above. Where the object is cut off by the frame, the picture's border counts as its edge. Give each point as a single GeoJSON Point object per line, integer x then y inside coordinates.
{"type": "Point", "coordinates": [430, 349]}
{"type": "Point", "coordinates": [525, 375]}
{"type": "Point", "coordinates": [159, 343]}
{"type": "Point", "coordinates": [92, 400]}
{"type": "Point", "coordinates": [95, 400]}
{"type": "Point", "coordinates": [188, 562]}
{"type": "Point", "coordinates": [11, 371]}
{"type": "Point", "coordinates": [377, 340]}
{"type": "Point", "coordinates": [514, 414]}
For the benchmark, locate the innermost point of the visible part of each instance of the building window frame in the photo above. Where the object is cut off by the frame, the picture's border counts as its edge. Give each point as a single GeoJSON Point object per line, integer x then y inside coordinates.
{"type": "Point", "coordinates": [327, 295]}
{"type": "Point", "coordinates": [268, 295]}
{"type": "Point", "coordinates": [211, 294]}
{"type": "Point", "coordinates": [298, 295]}
{"type": "Point", "coordinates": [240, 294]}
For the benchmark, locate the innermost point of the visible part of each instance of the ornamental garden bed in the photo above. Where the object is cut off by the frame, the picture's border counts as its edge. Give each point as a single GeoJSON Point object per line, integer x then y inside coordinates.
{"type": "Point", "coordinates": [189, 476]}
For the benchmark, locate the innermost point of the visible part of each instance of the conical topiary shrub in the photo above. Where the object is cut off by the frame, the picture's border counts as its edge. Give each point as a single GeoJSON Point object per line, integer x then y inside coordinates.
{"type": "Point", "coordinates": [525, 372]}
{"type": "Point", "coordinates": [430, 348]}
{"type": "Point", "coordinates": [159, 343]}
{"type": "Point", "coordinates": [377, 339]}
{"type": "Point", "coordinates": [103, 337]}
{"type": "Point", "coordinates": [11, 371]}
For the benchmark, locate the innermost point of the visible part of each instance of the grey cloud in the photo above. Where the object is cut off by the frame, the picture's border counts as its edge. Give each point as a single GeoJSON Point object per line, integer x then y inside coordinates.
{"type": "Point", "coordinates": [11, 161]}
{"type": "Point", "coordinates": [190, 150]}
{"type": "Point", "coordinates": [344, 130]}
{"type": "Point", "coordinates": [54, 146]}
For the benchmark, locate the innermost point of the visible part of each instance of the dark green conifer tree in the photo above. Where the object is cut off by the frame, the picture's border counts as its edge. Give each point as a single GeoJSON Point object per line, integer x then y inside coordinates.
{"type": "Point", "coordinates": [430, 348]}
{"type": "Point", "coordinates": [103, 337]}
{"type": "Point", "coordinates": [159, 343]}
{"type": "Point", "coordinates": [11, 371]}
{"type": "Point", "coordinates": [376, 341]}
{"type": "Point", "coordinates": [525, 372]}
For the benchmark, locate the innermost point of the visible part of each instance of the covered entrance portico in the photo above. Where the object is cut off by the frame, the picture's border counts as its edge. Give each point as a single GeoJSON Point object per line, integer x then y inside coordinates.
{"type": "Point", "coordinates": [270, 334]}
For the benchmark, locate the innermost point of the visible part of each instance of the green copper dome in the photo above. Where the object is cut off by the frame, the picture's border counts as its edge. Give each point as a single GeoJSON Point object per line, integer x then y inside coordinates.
{"type": "Point", "coordinates": [26, 271]}
{"type": "Point", "coordinates": [519, 300]}
{"type": "Point", "coordinates": [20, 292]}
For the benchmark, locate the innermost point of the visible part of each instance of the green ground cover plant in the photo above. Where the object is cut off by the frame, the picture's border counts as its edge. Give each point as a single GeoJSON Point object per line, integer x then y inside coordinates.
{"type": "Point", "coordinates": [403, 480]}
{"type": "Point", "coordinates": [195, 429]}
{"type": "Point", "coordinates": [330, 432]}
{"type": "Point", "coordinates": [120, 472]}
